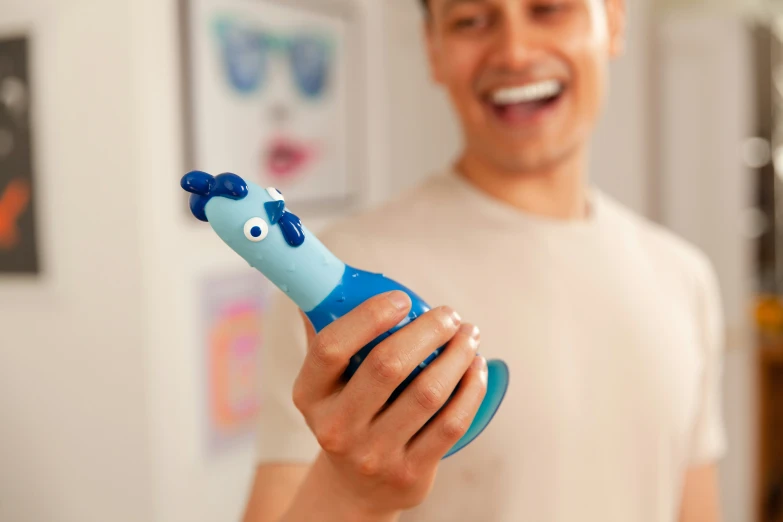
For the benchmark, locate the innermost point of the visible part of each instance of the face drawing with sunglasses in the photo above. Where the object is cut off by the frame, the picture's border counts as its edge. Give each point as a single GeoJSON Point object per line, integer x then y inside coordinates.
{"type": "Point", "coordinates": [284, 78]}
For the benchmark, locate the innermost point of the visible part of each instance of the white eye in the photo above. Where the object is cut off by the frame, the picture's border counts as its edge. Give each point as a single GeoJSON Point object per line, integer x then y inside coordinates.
{"type": "Point", "coordinates": [256, 229]}
{"type": "Point", "coordinates": [275, 194]}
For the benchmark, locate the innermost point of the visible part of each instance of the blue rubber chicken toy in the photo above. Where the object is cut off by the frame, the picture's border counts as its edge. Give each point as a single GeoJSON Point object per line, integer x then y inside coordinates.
{"type": "Point", "coordinates": [255, 223]}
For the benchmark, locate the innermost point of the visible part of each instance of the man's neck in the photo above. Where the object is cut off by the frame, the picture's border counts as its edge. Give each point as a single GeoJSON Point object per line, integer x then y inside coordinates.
{"type": "Point", "coordinates": [557, 193]}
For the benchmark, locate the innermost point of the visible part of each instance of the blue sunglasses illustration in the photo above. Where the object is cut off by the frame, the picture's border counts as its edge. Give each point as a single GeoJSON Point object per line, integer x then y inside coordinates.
{"type": "Point", "coordinates": [246, 53]}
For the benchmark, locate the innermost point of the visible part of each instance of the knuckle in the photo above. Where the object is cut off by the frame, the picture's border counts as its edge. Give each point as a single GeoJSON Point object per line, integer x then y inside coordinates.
{"type": "Point", "coordinates": [369, 464]}
{"type": "Point", "coordinates": [430, 395]}
{"type": "Point", "coordinates": [325, 349]}
{"type": "Point", "coordinates": [299, 397]}
{"type": "Point", "coordinates": [455, 427]}
{"type": "Point", "coordinates": [386, 367]}
{"type": "Point", "coordinates": [403, 476]}
{"type": "Point", "coordinates": [332, 438]}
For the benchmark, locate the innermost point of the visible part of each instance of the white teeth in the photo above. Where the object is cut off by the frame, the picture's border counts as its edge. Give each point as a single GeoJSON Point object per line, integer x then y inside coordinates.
{"type": "Point", "coordinates": [527, 93]}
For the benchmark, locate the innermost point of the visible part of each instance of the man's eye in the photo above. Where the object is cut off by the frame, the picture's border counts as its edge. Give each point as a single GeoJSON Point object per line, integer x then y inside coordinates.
{"type": "Point", "coordinates": [548, 9]}
{"type": "Point", "coordinates": [470, 22]}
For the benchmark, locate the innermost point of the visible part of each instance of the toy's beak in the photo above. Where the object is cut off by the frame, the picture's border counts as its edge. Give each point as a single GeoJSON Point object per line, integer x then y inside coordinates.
{"type": "Point", "coordinates": [274, 209]}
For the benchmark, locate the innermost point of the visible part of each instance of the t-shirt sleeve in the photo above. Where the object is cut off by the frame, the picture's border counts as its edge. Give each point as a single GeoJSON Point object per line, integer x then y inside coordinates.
{"type": "Point", "coordinates": [709, 438]}
{"type": "Point", "coordinates": [282, 435]}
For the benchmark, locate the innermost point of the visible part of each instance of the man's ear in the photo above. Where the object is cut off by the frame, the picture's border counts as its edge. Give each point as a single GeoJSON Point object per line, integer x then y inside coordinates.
{"type": "Point", "coordinates": [433, 51]}
{"type": "Point", "coordinates": [616, 20]}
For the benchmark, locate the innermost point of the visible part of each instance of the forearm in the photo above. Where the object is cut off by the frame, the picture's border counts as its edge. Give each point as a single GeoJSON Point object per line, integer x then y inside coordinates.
{"type": "Point", "coordinates": [701, 498]}
{"type": "Point", "coordinates": [320, 498]}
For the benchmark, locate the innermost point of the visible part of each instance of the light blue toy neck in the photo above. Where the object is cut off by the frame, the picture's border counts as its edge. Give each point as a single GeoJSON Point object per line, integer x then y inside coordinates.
{"type": "Point", "coordinates": [307, 273]}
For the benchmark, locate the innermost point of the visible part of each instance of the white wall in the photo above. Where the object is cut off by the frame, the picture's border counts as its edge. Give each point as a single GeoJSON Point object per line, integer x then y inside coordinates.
{"type": "Point", "coordinates": [622, 153]}
{"type": "Point", "coordinates": [423, 132]}
{"type": "Point", "coordinates": [72, 398]}
{"type": "Point", "coordinates": [716, 5]}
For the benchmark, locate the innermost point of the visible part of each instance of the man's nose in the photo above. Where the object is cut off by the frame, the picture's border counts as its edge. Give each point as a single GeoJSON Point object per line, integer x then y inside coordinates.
{"type": "Point", "coordinates": [515, 45]}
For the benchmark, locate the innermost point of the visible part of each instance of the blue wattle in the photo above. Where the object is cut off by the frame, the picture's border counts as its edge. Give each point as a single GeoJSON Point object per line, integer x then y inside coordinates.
{"type": "Point", "coordinates": [292, 230]}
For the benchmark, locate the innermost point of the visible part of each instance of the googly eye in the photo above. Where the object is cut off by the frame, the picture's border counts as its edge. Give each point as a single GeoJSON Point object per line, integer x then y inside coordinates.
{"type": "Point", "coordinates": [256, 229]}
{"type": "Point", "coordinates": [275, 194]}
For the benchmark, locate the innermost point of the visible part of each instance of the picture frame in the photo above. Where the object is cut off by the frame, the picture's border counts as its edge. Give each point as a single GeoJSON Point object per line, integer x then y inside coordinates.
{"type": "Point", "coordinates": [273, 90]}
{"type": "Point", "coordinates": [20, 254]}
{"type": "Point", "coordinates": [231, 309]}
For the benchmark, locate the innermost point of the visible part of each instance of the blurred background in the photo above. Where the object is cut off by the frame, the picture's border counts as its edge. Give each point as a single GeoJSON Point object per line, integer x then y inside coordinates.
{"type": "Point", "coordinates": [120, 398]}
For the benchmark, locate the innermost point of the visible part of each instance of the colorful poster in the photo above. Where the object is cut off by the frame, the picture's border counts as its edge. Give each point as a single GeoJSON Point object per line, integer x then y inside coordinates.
{"type": "Point", "coordinates": [18, 248]}
{"type": "Point", "coordinates": [270, 95]}
{"type": "Point", "coordinates": [233, 337]}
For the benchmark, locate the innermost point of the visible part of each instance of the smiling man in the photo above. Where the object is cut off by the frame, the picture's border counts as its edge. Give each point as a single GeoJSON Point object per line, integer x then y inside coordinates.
{"type": "Point", "coordinates": [611, 326]}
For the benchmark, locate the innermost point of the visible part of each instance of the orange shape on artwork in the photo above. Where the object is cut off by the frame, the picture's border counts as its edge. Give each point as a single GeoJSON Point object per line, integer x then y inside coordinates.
{"type": "Point", "coordinates": [13, 203]}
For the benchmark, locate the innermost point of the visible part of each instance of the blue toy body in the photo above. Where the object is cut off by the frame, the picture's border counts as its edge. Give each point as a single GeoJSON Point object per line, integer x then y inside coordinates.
{"type": "Point", "coordinates": [255, 223]}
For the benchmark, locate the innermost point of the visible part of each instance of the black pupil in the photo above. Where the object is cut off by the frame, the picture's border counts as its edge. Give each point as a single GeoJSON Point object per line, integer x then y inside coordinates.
{"type": "Point", "coordinates": [255, 231]}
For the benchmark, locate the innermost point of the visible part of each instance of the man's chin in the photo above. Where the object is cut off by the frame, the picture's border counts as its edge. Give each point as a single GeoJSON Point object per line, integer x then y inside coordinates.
{"type": "Point", "coordinates": [530, 162]}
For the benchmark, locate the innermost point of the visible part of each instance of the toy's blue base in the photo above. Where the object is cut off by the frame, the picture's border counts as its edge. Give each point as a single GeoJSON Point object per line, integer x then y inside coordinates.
{"type": "Point", "coordinates": [497, 384]}
{"type": "Point", "coordinates": [356, 287]}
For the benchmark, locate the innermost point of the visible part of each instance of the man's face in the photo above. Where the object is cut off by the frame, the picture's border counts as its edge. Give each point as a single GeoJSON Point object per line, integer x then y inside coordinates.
{"type": "Point", "coordinates": [527, 77]}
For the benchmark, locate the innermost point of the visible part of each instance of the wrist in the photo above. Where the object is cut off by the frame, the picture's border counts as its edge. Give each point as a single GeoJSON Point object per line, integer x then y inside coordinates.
{"type": "Point", "coordinates": [322, 497]}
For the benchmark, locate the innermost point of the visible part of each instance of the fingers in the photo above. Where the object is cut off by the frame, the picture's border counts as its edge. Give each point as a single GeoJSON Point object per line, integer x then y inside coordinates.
{"type": "Point", "coordinates": [390, 363]}
{"type": "Point", "coordinates": [431, 389]}
{"type": "Point", "coordinates": [453, 421]}
{"type": "Point", "coordinates": [329, 351]}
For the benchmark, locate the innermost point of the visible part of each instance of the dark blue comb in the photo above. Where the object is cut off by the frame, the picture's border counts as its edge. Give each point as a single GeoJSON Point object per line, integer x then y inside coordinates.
{"type": "Point", "coordinates": [204, 187]}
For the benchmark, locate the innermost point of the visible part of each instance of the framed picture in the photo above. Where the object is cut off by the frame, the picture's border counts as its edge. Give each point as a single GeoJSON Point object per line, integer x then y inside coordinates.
{"type": "Point", "coordinates": [18, 221]}
{"type": "Point", "coordinates": [230, 323]}
{"type": "Point", "coordinates": [274, 94]}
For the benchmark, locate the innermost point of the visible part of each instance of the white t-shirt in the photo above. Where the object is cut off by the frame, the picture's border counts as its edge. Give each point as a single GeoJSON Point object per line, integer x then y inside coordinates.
{"type": "Point", "coordinates": [612, 330]}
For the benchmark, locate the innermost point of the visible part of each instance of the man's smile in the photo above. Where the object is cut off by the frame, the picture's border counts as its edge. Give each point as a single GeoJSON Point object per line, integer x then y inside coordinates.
{"type": "Point", "coordinates": [524, 104]}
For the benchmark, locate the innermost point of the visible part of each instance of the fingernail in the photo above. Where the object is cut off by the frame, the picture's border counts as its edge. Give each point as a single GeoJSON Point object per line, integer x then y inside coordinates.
{"type": "Point", "coordinates": [483, 372]}
{"type": "Point", "coordinates": [475, 333]}
{"type": "Point", "coordinates": [454, 316]}
{"type": "Point", "coordinates": [400, 300]}
{"type": "Point", "coordinates": [472, 333]}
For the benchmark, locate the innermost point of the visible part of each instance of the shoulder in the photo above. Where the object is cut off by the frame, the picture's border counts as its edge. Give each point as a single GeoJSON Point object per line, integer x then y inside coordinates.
{"type": "Point", "coordinates": [670, 254]}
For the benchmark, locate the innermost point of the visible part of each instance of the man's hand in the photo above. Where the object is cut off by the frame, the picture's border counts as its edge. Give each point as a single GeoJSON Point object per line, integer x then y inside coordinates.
{"type": "Point", "coordinates": [376, 461]}
{"type": "Point", "coordinates": [700, 501]}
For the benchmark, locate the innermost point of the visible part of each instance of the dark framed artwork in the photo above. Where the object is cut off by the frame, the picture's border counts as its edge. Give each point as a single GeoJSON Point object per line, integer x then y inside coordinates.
{"type": "Point", "coordinates": [18, 240]}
